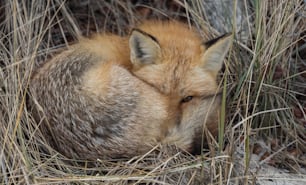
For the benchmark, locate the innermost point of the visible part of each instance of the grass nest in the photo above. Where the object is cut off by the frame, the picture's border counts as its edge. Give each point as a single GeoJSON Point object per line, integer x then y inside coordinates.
{"type": "Point", "coordinates": [263, 78]}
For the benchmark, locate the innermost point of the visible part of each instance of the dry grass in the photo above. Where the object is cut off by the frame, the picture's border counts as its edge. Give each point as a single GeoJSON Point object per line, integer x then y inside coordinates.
{"type": "Point", "coordinates": [264, 78]}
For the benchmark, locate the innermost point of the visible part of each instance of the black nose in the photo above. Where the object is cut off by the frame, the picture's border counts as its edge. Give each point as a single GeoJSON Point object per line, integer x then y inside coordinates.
{"type": "Point", "coordinates": [198, 146]}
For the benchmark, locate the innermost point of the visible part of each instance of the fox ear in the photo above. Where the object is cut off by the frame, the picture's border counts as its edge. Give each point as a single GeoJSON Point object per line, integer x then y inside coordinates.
{"type": "Point", "coordinates": [214, 52]}
{"type": "Point", "coordinates": [144, 48]}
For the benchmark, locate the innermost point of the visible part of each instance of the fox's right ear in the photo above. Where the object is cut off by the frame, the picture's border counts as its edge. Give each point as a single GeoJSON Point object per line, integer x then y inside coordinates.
{"type": "Point", "coordinates": [214, 52]}
{"type": "Point", "coordinates": [144, 48]}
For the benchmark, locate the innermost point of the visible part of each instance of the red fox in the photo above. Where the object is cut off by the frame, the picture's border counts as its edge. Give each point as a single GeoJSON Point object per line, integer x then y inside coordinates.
{"type": "Point", "coordinates": [114, 97]}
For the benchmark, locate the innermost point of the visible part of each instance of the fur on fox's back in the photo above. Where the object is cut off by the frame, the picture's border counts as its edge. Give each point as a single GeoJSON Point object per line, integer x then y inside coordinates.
{"type": "Point", "coordinates": [112, 96]}
{"type": "Point", "coordinates": [82, 123]}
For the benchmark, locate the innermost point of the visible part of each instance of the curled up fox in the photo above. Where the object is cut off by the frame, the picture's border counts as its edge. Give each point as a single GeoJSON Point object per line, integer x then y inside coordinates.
{"type": "Point", "coordinates": [113, 97]}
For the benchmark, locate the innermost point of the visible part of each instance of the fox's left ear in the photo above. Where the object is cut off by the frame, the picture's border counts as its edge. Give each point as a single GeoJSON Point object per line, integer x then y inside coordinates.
{"type": "Point", "coordinates": [214, 52]}
{"type": "Point", "coordinates": [144, 49]}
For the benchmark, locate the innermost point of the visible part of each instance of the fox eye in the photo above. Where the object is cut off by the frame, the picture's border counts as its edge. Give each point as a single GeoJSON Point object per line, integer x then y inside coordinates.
{"type": "Point", "coordinates": [187, 99]}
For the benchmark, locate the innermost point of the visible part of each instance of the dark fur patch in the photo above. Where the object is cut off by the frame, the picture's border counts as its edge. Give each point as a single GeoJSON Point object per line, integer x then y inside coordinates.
{"type": "Point", "coordinates": [213, 41]}
{"type": "Point", "coordinates": [146, 34]}
{"type": "Point", "coordinates": [139, 52]}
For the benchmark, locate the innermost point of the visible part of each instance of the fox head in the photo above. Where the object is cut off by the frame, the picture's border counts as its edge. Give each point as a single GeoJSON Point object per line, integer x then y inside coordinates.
{"type": "Point", "coordinates": [179, 65]}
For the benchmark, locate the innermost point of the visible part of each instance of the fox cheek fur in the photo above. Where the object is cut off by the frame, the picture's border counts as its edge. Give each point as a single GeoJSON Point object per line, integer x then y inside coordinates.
{"type": "Point", "coordinates": [113, 97]}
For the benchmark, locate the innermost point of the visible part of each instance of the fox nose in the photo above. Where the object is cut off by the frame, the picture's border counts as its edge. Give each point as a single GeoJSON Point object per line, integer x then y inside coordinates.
{"type": "Point", "coordinates": [197, 146]}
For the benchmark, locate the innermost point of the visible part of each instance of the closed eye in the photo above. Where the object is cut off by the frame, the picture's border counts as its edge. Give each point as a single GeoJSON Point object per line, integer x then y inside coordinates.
{"type": "Point", "coordinates": [186, 99]}
{"type": "Point", "coordinates": [189, 98]}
